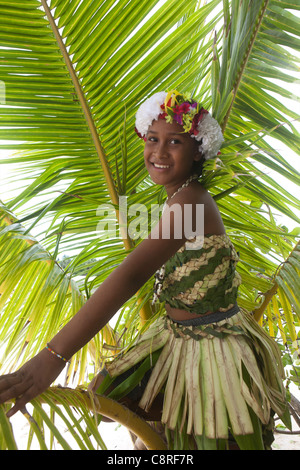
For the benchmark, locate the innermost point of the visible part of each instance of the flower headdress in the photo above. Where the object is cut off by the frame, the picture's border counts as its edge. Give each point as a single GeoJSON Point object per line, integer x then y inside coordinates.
{"type": "Point", "coordinates": [195, 120]}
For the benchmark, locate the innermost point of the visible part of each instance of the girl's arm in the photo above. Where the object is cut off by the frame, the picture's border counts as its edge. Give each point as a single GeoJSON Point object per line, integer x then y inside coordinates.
{"type": "Point", "coordinates": [119, 286]}
{"type": "Point", "coordinates": [36, 375]}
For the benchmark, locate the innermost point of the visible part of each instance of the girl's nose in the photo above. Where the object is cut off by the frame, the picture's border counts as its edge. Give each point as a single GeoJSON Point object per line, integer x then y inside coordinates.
{"type": "Point", "coordinates": [161, 150]}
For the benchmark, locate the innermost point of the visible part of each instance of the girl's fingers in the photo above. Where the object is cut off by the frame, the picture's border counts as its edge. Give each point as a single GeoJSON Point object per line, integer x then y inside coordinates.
{"type": "Point", "coordinates": [9, 380]}
{"type": "Point", "coordinates": [20, 403]}
{"type": "Point", "coordinates": [34, 377]}
{"type": "Point", "coordinates": [13, 386]}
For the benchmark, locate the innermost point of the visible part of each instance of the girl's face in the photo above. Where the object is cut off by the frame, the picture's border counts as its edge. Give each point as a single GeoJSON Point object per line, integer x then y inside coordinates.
{"type": "Point", "coordinates": [170, 154]}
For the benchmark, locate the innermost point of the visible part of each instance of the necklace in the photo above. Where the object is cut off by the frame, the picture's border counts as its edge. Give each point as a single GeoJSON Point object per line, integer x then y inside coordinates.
{"type": "Point", "coordinates": [184, 185]}
{"type": "Point", "coordinates": [160, 273]}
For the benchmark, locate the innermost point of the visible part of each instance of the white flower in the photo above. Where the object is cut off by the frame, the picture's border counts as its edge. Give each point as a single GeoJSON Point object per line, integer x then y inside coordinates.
{"type": "Point", "coordinates": [211, 135]}
{"type": "Point", "coordinates": [149, 111]}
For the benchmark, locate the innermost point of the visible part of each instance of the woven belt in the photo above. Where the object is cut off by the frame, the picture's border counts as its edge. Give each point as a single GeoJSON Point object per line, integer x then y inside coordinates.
{"type": "Point", "coordinates": [211, 318]}
{"type": "Point", "coordinates": [207, 330]}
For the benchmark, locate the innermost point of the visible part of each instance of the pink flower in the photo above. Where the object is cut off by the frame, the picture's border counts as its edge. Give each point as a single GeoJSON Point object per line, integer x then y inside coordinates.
{"type": "Point", "coordinates": [178, 118]}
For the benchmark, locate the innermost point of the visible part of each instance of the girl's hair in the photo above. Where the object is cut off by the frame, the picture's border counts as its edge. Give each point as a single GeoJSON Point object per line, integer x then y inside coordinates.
{"type": "Point", "coordinates": [177, 107]}
{"type": "Point", "coordinates": [198, 167]}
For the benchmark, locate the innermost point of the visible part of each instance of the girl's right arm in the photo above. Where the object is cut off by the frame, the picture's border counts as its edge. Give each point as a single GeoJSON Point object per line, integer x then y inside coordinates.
{"type": "Point", "coordinates": [36, 375]}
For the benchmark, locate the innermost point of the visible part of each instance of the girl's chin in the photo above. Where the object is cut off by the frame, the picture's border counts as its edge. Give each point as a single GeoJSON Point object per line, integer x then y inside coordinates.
{"type": "Point", "coordinates": [159, 179]}
{"type": "Point", "coordinates": [165, 177]}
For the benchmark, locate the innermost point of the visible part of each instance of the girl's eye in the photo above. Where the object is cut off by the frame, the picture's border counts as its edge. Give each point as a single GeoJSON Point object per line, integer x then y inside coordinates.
{"type": "Point", "coordinates": [155, 139]}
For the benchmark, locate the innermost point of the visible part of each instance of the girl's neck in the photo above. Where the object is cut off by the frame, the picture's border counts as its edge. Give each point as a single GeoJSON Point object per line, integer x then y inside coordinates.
{"type": "Point", "coordinates": [171, 192]}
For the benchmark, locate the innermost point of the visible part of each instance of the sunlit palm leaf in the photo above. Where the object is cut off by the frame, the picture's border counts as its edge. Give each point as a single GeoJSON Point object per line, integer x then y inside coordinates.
{"type": "Point", "coordinates": [79, 412]}
{"type": "Point", "coordinates": [33, 288]}
{"type": "Point", "coordinates": [7, 439]}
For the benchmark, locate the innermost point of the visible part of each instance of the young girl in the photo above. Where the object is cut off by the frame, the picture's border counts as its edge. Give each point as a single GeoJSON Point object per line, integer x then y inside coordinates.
{"type": "Point", "coordinates": [204, 369]}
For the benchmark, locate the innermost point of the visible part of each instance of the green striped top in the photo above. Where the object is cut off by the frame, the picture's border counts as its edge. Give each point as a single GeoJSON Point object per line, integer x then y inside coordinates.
{"type": "Point", "coordinates": [201, 277]}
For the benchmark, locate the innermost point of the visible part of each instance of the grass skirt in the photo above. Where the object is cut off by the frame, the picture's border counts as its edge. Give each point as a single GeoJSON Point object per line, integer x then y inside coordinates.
{"type": "Point", "coordinates": [220, 378]}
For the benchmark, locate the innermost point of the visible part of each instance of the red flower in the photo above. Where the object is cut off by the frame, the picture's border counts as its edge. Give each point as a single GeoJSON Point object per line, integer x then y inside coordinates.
{"type": "Point", "coordinates": [197, 118]}
{"type": "Point", "coordinates": [182, 108]}
{"type": "Point", "coordinates": [162, 115]}
{"type": "Point", "coordinates": [163, 106]}
{"type": "Point", "coordinates": [193, 130]}
{"type": "Point", "coordinates": [140, 135]}
{"type": "Point", "coordinates": [202, 113]}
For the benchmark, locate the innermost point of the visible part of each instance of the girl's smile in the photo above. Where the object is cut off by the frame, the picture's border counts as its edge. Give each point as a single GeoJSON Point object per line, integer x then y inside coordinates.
{"type": "Point", "coordinates": [170, 154]}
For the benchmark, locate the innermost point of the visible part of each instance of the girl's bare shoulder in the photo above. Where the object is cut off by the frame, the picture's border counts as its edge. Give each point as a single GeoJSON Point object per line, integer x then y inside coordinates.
{"type": "Point", "coordinates": [195, 194]}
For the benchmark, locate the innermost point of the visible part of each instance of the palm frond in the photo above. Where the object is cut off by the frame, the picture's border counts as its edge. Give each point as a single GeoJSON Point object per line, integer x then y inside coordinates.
{"type": "Point", "coordinates": [34, 288]}
{"type": "Point", "coordinates": [78, 411]}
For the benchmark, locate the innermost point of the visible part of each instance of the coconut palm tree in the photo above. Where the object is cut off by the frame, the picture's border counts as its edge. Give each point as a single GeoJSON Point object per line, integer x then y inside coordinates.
{"type": "Point", "coordinates": [73, 73]}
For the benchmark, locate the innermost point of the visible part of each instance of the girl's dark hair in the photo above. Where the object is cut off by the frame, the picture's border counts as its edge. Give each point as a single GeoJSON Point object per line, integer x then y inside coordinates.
{"type": "Point", "coordinates": [198, 167]}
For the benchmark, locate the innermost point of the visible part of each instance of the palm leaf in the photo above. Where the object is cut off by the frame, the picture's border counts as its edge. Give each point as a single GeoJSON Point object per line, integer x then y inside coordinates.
{"type": "Point", "coordinates": [23, 260]}
{"type": "Point", "coordinates": [77, 409]}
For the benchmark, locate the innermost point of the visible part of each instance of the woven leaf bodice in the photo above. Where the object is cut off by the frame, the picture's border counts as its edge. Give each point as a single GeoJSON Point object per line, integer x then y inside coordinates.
{"type": "Point", "coordinates": [201, 277]}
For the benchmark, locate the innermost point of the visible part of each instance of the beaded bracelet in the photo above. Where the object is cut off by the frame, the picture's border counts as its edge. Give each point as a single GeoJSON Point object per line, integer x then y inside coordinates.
{"type": "Point", "coordinates": [56, 354]}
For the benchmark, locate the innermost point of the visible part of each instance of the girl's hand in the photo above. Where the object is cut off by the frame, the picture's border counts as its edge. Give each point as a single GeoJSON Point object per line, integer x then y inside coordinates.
{"type": "Point", "coordinates": [32, 379]}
